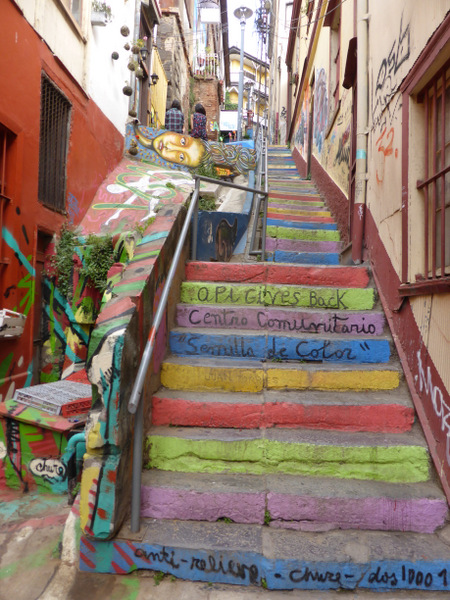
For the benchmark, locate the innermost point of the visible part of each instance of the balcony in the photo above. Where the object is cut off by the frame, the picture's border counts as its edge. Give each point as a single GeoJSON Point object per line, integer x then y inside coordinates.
{"type": "Point", "coordinates": [207, 66]}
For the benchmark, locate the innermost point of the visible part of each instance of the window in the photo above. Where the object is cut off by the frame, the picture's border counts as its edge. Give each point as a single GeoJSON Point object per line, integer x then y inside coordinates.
{"type": "Point", "coordinates": [436, 185]}
{"type": "Point", "coordinates": [7, 139]}
{"type": "Point", "coordinates": [74, 8]}
{"type": "Point", "coordinates": [53, 142]}
{"type": "Point", "coordinates": [426, 169]}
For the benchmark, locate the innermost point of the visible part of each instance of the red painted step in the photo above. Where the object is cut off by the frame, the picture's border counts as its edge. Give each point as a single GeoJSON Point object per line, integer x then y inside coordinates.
{"type": "Point", "coordinates": [332, 276]}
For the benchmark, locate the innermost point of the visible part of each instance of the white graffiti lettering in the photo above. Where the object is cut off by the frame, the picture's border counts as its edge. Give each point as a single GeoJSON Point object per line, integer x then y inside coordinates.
{"type": "Point", "coordinates": [2, 451]}
{"type": "Point", "coordinates": [440, 407]}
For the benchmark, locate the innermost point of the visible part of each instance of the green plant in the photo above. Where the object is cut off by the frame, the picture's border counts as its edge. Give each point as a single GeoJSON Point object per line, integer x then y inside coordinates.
{"type": "Point", "coordinates": [158, 577]}
{"type": "Point", "coordinates": [62, 261]}
{"type": "Point", "coordinates": [206, 204]}
{"type": "Point", "coordinates": [206, 170]}
{"type": "Point", "coordinates": [267, 517]}
{"type": "Point", "coordinates": [264, 583]}
{"type": "Point", "coordinates": [87, 306]}
{"type": "Point", "coordinates": [102, 7]}
{"type": "Point", "coordinates": [225, 520]}
{"type": "Point", "coordinates": [98, 258]}
{"type": "Point", "coordinates": [141, 227]}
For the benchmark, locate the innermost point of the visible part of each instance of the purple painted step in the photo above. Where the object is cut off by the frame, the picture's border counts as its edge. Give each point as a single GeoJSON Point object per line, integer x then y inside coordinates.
{"type": "Point", "coordinates": [300, 206]}
{"type": "Point", "coordinates": [273, 244]}
{"type": "Point", "coordinates": [282, 320]}
{"type": "Point", "coordinates": [293, 502]}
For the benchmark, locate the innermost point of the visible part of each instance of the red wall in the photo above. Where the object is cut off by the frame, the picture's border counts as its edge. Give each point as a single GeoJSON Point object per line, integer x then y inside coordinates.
{"type": "Point", "coordinates": [95, 148]}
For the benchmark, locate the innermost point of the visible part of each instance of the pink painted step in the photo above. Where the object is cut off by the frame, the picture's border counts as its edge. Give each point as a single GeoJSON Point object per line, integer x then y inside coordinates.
{"type": "Point", "coordinates": [302, 218]}
{"type": "Point", "coordinates": [349, 411]}
{"type": "Point", "coordinates": [334, 276]}
{"type": "Point", "coordinates": [290, 502]}
{"type": "Point", "coordinates": [283, 320]}
{"type": "Point", "coordinates": [273, 244]}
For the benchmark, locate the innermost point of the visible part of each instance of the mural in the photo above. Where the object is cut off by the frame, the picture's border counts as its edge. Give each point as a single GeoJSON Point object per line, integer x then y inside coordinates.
{"type": "Point", "coordinates": [320, 109]}
{"type": "Point", "coordinates": [337, 146]}
{"type": "Point", "coordinates": [178, 151]}
{"type": "Point", "coordinates": [301, 137]}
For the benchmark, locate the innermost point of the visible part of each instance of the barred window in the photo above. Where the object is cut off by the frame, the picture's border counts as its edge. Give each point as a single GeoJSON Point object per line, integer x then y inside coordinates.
{"type": "Point", "coordinates": [53, 144]}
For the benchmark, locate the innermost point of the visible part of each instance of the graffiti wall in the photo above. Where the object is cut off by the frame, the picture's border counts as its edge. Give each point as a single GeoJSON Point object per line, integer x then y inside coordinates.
{"type": "Point", "coordinates": [27, 221]}
{"type": "Point", "coordinates": [301, 130]}
{"type": "Point", "coordinates": [118, 338]}
{"type": "Point", "coordinates": [336, 155]}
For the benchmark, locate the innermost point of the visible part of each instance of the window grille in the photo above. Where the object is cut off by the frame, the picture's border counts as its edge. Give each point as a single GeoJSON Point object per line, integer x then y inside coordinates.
{"type": "Point", "coordinates": [53, 143]}
{"type": "Point", "coordinates": [436, 184]}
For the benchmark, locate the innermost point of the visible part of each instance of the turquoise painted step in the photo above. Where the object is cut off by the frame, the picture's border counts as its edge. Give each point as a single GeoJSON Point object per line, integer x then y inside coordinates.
{"type": "Point", "coordinates": [249, 345]}
{"type": "Point", "coordinates": [304, 258]}
{"type": "Point", "coordinates": [300, 224]}
{"type": "Point", "coordinates": [193, 292]}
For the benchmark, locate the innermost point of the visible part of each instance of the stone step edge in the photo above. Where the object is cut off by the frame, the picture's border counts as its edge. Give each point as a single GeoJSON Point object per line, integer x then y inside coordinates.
{"type": "Point", "coordinates": [273, 559]}
{"type": "Point", "coordinates": [308, 505]}
{"type": "Point", "coordinates": [339, 416]}
{"type": "Point", "coordinates": [392, 457]}
{"type": "Point", "coordinates": [179, 373]}
{"type": "Point", "coordinates": [289, 274]}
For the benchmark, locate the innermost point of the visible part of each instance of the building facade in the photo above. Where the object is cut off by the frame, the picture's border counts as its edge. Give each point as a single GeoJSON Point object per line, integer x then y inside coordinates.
{"type": "Point", "coordinates": [370, 107]}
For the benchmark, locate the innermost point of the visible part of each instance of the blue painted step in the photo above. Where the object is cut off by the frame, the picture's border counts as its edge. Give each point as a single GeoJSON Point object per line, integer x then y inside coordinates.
{"type": "Point", "coordinates": [271, 347]}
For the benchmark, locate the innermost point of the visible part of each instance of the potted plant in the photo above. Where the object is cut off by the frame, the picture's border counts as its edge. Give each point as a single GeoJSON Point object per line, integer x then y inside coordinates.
{"type": "Point", "coordinates": [101, 13]}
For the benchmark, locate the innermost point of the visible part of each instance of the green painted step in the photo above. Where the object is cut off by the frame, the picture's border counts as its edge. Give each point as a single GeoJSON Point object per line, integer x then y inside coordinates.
{"type": "Point", "coordinates": [396, 458]}
{"type": "Point", "coordinates": [291, 233]}
{"type": "Point", "coordinates": [193, 292]}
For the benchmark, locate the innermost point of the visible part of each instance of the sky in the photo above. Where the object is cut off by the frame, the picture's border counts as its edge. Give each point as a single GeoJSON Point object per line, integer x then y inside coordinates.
{"type": "Point", "coordinates": [234, 29]}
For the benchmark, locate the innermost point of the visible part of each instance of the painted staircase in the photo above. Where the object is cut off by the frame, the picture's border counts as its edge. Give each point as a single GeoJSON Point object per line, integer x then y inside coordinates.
{"type": "Point", "coordinates": [283, 450]}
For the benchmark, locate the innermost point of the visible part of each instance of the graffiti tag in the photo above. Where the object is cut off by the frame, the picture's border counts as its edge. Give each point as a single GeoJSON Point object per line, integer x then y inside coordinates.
{"type": "Point", "coordinates": [49, 469]}
{"type": "Point", "coordinates": [440, 407]}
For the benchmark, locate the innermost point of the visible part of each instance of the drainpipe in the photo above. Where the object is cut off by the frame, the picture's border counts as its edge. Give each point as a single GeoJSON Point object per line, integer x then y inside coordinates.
{"type": "Point", "coordinates": [134, 98]}
{"type": "Point", "coordinates": [359, 207]}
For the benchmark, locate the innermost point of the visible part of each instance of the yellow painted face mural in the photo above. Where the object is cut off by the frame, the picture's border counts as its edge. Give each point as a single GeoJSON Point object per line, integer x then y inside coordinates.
{"type": "Point", "coordinates": [179, 151]}
{"type": "Point", "coordinates": [178, 148]}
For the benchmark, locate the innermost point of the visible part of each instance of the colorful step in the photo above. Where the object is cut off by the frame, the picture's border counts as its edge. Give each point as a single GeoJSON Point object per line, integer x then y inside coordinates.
{"type": "Point", "coordinates": [395, 458]}
{"type": "Point", "coordinates": [342, 276]}
{"type": "Point", "coordinates": [304, 258]}
{"type": "Point", "coordinates": [281, 320]}
{"type": "Point", "coordinates": [193, 292]}
{"type": "Point", "coordinates": [273, 244]}
{"type": "Point", "coordinates": [179, 373]}
{"type": "Point", "coordinates": [248, 345]}
{"type": "Point", "coordinates": [347, 411]}
{"type": "Point", "coordinates": [233, 553]}
{"type": "Point", "coordinates": [283, 501]}
{"type": "Point", "coordinates": [290, 233]}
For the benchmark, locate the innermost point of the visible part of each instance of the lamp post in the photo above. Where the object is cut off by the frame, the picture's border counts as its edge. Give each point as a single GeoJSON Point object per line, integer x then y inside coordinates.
{"type": "Point", "coordinates": [243, 13]}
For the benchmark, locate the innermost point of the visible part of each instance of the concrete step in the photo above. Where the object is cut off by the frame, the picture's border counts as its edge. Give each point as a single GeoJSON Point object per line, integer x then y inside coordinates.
{"type": "Point", "coordinates": [376, 411]}
{"type": "Point", "coordinates": [280, 206]}
{"type": "Point", "coordinates": [274, 220]}
{"type": "Point", "coordinates": [390, 457]}
{"type": "Point", "coordinates": [194, 292]}
{"type": "Point", "coordinates": [295, 246]}
{"type": "Point", "coordinates": [275, 559]}
{"type": "Point", "coordinates": [277, 347]}
{"type": "Point", "coordinates": [342, 276]}
{"type": "Point", "coordinates": [289, 502]}
{"type": "Point", "coordinates": [290, 233]}
{"type": "Point", "coordinates": [313, 212]}
{"type": "Point", "coordinates": [284, 320]}
{"type": "Point", "coordinates": [180, 373]}
{"type": "Point", "coordinates": [304, 258]}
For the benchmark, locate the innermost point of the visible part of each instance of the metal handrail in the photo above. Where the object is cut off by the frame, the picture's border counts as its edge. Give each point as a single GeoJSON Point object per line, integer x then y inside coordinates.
{"type": "Point", "coordinates": [135, 406]}
{"type": "Point", "coordinates": [262, 251]}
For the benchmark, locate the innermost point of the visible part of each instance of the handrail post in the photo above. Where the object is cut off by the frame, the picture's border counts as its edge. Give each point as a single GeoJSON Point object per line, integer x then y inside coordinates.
{"type": "Point", "coordinates": [137, 468]}
{"type": "Point", "coordinates": [195, 221]}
